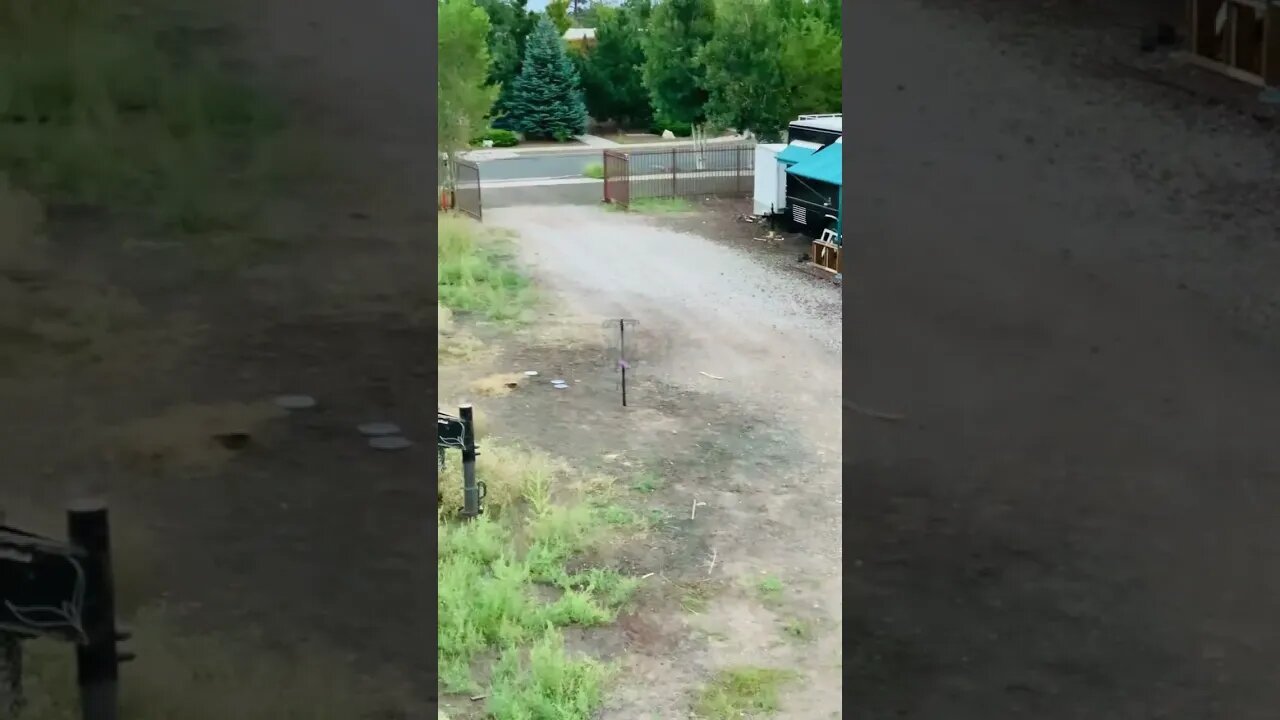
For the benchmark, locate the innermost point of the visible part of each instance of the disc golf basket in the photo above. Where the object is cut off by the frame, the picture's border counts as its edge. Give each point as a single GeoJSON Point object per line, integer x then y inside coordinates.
{"type": "Point", "coordinates": [622, 356]}
{"type": "Point", "coordinates": [459, 433]}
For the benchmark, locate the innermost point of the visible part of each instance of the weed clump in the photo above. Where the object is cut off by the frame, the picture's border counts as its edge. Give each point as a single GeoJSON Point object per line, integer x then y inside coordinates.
{"type": "Point", "coordinates": [474, 272]}
{"type": "Point", "coordinates": [506, 589]}
{"type": "Point", "coordinates": [742, 692]}
{"type": "Point", "coordinates": [119, 110]}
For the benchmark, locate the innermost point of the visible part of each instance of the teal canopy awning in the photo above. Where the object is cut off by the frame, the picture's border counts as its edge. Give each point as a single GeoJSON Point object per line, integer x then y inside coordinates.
{"type": "Point", "coordinates": [826, 165]}
{"type": "Point", "coordinates": [794, 153]}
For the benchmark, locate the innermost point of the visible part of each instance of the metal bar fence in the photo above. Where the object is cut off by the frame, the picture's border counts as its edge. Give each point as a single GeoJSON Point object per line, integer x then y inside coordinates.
{"type": "Point", "coordinates": [466, 192]}
{"type": "Point", "coordinates": [725, 170]}
{"type": "Point", "coordinates": [616, 182]}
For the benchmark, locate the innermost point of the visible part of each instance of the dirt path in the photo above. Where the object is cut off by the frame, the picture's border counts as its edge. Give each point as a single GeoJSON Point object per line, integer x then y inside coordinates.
{"type": "Point", "coordinates": [1059, 286]}
{"type": "Point", "coordinates": [772, 493]}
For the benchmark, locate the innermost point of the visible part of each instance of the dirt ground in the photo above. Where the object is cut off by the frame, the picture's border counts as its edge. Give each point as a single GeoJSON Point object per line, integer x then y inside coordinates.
{"type": "Point", "coordinates": [1066, 280]}
{"type": "Point", "coordinates": [733, 402]}
{"type": "Point", "coordinates": [304, 536]}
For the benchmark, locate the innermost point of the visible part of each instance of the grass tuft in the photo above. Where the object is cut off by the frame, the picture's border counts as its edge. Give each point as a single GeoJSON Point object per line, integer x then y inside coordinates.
{"type": "Point", "coordinates": [505, 588]}
{"type": "Point", "coordinates": [549, 684]}
{"type": "Point", "coordinates": [770, 589]}
{"type": "Point", "coordinates": [96, 108]}
{"type": "Point", "coordinates": [740, 692]}
{"type": "Point", "coordinates": [508, 473]}
{"type": "Point", "coordinates": [474, 272]}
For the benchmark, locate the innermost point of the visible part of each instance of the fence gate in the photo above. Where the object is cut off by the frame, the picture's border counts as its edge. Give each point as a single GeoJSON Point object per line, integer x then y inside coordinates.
{"type": "Point", "coordinates": [617, 181]}
{"type": "Point", "coordinates": [466, 194]}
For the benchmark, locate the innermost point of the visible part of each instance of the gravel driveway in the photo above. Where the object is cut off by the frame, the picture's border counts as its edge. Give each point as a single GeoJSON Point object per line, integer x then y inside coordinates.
{"type": "Point", "coordinates": [736, 337]}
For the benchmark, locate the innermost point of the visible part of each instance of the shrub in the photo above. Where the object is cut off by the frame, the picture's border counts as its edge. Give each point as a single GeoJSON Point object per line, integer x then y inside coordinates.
{"type": "Point", "coordinates": [499, 138]}
{"type": "Point", "coordinates": [677, 128]}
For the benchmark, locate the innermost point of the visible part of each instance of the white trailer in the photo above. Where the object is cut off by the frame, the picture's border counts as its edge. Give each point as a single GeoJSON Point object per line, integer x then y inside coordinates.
{"type": "Point", "coordinates": [770, 192]}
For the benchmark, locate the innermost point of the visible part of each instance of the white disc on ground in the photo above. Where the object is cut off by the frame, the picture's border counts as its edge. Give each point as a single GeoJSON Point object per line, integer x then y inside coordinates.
{"type": "Point", "coordinates": [390, 442]}
{"type": "Point", "coordinates": [378, 429]}
{"type": "Point", "coordinates": [295, 402]}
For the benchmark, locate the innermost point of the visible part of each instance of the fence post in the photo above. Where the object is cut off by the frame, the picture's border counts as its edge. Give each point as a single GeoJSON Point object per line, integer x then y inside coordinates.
{"type": "Point", "coordinates": [737, 169]}
{"type": "Point", "coordinates": [673, 173]}
{"type": "Point", "coordinates": [470, 490]}
{"type": "Point", "coordinates": [11, 697]}
{"type": "Point", "coordinates": [97, 661]}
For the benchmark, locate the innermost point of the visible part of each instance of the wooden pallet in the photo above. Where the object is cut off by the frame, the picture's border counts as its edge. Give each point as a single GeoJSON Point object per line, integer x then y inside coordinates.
{"type": "Point", "coordinates": [825, 255]}
{"type": "Point", "coordinates": [1238, 38]}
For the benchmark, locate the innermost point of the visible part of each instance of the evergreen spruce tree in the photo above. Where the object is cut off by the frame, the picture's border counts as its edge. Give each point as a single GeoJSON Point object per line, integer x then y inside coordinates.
{"type": "Point", "coordinates": [546, 99]}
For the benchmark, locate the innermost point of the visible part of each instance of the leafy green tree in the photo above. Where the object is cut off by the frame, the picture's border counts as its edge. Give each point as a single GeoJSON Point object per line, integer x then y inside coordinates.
{"type": "Point", "coordinates": [558, 12]}
{"type": "Point", "coordinates": [546, 100]}
{"type": "Point", "coordinates": [812, 65]}
{"type": "Point", "coordinates": [611, 72]}
{"type": "Point", "coordinates": [589, 14]}
{"type": "Point", "coordinates": [463, 92]}
{"type": "Point", "coordinates": [673, 73]}
{"type": "Point", "coordinates": [747, 83]}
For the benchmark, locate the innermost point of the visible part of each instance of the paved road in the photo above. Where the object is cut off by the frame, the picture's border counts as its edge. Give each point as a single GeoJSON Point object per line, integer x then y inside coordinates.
{"type": "Point", "coordinates": [537, 166]}
{"type": "Point", "coordinates": [546, 195]}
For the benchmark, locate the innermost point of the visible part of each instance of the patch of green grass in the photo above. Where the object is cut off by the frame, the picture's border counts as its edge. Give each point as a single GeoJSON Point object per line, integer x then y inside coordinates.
{"type": "Point", "coordinates": [620, 516]}
{"type": "Point", "coordinates": [475, 272]}
{"type": "Point", "coordinates": [798, 629]}
{"type": "Point", "coordinates": [594, 170]}
{"type": "Point", "coordinates": [505, 587]}
{"type": "Point", "coordinates": [740, 692]}
{"type": "Point", "coordinates": [770, 588]}
{"type": "Point", "coordinates": [647, 483]}
{"type": "Point", "coordinates": [657, 517]}
{"type": "Point", "coordinates": [97, 108]}
{"type": "Point", "coordinates": [549, 683]}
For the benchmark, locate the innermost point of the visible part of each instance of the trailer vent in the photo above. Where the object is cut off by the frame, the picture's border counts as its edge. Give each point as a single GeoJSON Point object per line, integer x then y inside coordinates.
{"type": "Point", "coordinates": [798, 214]}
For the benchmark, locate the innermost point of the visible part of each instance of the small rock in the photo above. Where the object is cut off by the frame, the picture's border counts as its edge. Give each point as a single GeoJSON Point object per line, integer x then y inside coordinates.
{"type": "Point", "coordinates": [295, 402]}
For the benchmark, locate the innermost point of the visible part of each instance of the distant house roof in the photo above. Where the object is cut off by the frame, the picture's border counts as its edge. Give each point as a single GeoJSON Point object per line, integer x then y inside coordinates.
{"type": "Point", "coordinates": [820, 122]}
{"type": "Point", "coordinates": [579, 34]}
{"type": "Point", "coordinates": [826, 165]}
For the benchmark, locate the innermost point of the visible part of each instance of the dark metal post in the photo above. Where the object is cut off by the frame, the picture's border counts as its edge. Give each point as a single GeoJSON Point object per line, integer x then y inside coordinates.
{"type": "Point", "coordinates": [97, 663]}
{"type": "Point", "coordinates": [622, 357]}
{"type": "Point", "coordinates": [11, 697]}
{"type": "Point", "coordinates": [470, 490]}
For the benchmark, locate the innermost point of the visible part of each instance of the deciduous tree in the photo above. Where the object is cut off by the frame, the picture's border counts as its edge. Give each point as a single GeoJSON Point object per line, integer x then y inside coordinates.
{"type": "Point", "coordinates": [747, 86]}
{"type": "Point", "coordinates": [463, 90]}
{"type": "Point", "coordinates": [673, 73]}
{"type": "Point", "coordinates": [558, 12]}
{"type": "Point", "coordinates": [612, 81]}
{"type": "Point", "coordinates": [812, 64]}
